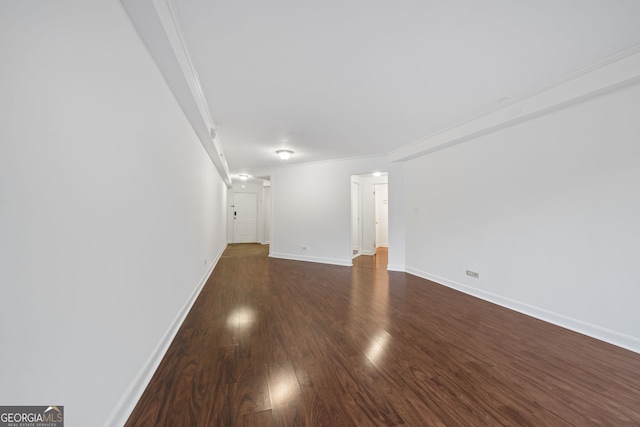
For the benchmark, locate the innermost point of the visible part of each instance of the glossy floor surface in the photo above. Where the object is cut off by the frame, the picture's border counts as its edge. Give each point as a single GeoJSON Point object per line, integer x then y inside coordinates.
{"type": "Point", "coordinates": [272, 342]}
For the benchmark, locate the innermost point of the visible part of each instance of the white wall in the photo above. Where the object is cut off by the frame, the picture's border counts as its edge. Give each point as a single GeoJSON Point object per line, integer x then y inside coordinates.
{"type": "Point", "coordinates": [312, 208]}
{"type": "Point", "coordinates": [109, 208]}
{"type": "Point", "coordinates": [546, 211]}
{"type": "Point", "coordinates": [266, 212]}
{"type": "Point", "coordinates": [397, 209]}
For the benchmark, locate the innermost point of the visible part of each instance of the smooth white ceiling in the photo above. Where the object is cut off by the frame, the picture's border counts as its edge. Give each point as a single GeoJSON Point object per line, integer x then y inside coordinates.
{"type": "Point", "coordinates": [336, 79]}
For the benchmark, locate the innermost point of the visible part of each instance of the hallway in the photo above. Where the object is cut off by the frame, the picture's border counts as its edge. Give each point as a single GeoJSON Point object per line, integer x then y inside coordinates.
{"type": "Point", "coordinates": [276, 342]}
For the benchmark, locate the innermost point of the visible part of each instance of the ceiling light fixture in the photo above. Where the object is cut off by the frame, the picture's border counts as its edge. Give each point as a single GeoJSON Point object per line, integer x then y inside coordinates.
{"type": "Point", "coordinates": [243, 177]}
{"type": "Point", "coordinates": [284, 154]}
{"type": "Point", "coordinates": [377, 174]}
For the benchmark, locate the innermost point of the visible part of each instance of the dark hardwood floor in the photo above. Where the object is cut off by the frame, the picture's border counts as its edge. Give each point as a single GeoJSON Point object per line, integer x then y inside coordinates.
{"type": "Point", "coordinates": [271, 342]}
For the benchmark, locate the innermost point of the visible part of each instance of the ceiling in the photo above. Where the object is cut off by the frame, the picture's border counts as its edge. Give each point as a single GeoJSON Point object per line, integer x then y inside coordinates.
{"type": "Point", "coordinates": [342, 79]}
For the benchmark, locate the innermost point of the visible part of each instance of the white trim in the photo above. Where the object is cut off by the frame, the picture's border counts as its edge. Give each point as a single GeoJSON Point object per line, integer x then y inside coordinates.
{"type": "Point", "coordinates": [159, 27]}
{"type": "Point", "coordinates": [609, 75]}
{"type": "Point", "coordinates": [395, 267]}
{"type": "Point", "coordinates": [294, 257]}
{"type": "Point", "coordinates": [166, 11]}
{"type": "Point", "coordinates": [612, 337]}
{"type": "Point", "coordinates": [127, 403]}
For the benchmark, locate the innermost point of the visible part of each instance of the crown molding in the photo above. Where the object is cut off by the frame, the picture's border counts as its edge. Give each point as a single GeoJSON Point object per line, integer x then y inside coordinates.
{"type": "Point", "coordinates": [159, 27]}
{"type": "Point", "coordinates": [606, 76]}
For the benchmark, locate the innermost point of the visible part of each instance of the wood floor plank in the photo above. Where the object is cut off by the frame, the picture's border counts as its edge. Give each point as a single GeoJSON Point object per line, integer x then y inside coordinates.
{"type": "Point", "coordinates": [252, 388]}
{"type": "Point", "coordinates": [272, 342]}
{"type": "Point", "coordinates": [262, 419]}
{"type": "Point", "coordinates": [286, 396]}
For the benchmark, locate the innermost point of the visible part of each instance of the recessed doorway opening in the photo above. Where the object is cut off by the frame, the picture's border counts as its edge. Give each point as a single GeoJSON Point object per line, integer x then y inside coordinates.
{"type": "Point", "coordinates": [369, 214]}
{"type": "Point", "coordinates": [249, 215]}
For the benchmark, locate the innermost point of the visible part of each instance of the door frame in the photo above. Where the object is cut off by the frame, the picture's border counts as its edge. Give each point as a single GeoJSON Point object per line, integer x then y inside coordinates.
{"type": "Point", "coordinates": [376, 215]}
{"type": "Point", "coordinates": [257, 214]}
{"type": "Point", "coordinates": [367, 211]}
{"type": "Point", "coordinates": [356, 218]}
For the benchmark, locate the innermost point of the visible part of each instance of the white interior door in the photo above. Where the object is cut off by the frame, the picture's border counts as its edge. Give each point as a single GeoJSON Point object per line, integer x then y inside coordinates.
{"type": "Point", "coordinates": [355, 218]}
{"type": "Point", "coordinates": [382, 214]}
{"type": "Point", "coordinates": [266, 207]}
{"type": "Point", "coordinates": [245, 218]}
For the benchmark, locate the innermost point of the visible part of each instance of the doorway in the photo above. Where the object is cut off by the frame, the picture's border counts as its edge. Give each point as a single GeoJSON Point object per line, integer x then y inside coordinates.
{"type": "Point", "coordinates": [245, 218]}
{"type": "Point", "coordinates": [381, 207]}
{"type": "Point", "coordinates": [369, 214]}
{"type": "Point", "coordinates": [356, 213]}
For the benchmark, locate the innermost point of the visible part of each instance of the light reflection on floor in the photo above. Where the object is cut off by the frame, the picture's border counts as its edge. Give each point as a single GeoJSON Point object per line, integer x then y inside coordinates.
{"type": "Point", "coordinates": [377, 347]}
{"type": "Point", "coordinates": [284, 389]}
{"type": "Point", "coordinates": [369, 306]}
{"type": "Point", "coordinates": [241, 316]}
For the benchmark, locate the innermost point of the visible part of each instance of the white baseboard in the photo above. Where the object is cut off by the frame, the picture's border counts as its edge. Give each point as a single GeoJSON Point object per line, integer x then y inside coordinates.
{"type": "Point", "coordinates": [603, 334]}
{"type": "Point", "coordinates": [129, 399]}
{"type": "Point", "coordinates": [395, 267]}
{"type": "Point", "coordinates": [296, 257]}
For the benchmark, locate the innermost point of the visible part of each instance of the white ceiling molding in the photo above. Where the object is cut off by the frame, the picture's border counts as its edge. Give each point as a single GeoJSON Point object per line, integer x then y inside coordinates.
{"type": "Point", "coordinates": [609, 75]}
{"type": "Point", "coordinates": [159, 27]}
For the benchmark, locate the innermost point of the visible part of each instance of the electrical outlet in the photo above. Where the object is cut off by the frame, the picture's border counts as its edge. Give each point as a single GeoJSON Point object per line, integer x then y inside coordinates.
{"type": "Point", "coordinates": [473, 274]}
{"type": "Point", "coordinates": [304, 248]}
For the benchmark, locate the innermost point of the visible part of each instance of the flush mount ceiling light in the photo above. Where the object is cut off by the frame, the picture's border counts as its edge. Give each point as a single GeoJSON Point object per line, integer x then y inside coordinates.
{"type": "Point", "coordinates": [243, 177]}
{"type": "Point", "coordinates": [284, 154]}
{"type": "Point", "coordinates": [377, 174]}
